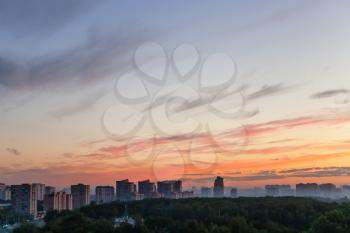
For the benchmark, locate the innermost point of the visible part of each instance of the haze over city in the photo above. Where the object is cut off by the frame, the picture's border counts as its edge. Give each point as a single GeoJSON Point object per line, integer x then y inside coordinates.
{"type": "Point", "coordinates": [94, 91]}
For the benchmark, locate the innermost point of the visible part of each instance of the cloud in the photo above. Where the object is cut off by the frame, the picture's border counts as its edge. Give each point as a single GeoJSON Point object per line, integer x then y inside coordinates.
{"type": "Point", "coordinates": [13, 151]}
{"type": "Point", "coordinates": [202, 101]}
{"type": "Point", "coordinates": [291, 123]}
{"type": "Point", "coordinates": [92, 61]}
{"type": "Point", "coordinates": [278, 16]}
{"type": "Point", "coordinates": [311, 172]}
{"type": "Point", "coordinates": [86, 103]}
{"type": "Point", "coordinates": [35, 17]}
{"type": "Point", "coordinates": [329, 93]}
{"type": "Point", "coordinates": [204, 142]}
{"type": "Point", "coordinates": [321, 172]}
{"type": "Point", "coordinates": [266, 91]}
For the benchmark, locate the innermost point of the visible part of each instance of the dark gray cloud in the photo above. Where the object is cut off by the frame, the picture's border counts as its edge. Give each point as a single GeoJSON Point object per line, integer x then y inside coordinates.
{"type": "Point", "coordinates": [266, 91]}
{"type": "Point", "coordinates": [329, 93]}
{"type": "Point", "coordinates": [94, 60]}
{"type": "Point", "coordinates": [35, 17]}
{"type": "Point", "coordinates": [13, 151]}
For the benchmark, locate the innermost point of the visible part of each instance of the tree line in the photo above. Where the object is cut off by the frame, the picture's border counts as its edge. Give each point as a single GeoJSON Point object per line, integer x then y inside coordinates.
{"type": "Point", "coordinates": [201, 215]}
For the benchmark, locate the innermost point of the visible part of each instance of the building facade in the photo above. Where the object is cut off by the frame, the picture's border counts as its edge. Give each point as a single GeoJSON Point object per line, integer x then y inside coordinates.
{"type": "Point", "coordinates": [58, 201]}
{"type": "Point", "coordinates": [126, 191]}
{"type": "Point", "coordinates": [307, 190]}
{"type": "Point", "coordinates": [104, 194]}
{"type": "Point", "coordinates": [206, 192]}
{"type": "Point", "coordinates": [147, 189]}
{"type": "Point", "coordinates": [279, 190]}
{"type": "Point", "coordinates": [80, 195]}
{"type": "Point", "coordinates": [233, 193]}
{"type": "Point", "coordinates": [24, 199]}
{"type": "Point", "coordinates": [5, 192]}
{"type": "Point", "coordinates": [39, 190]}
{"type": "Point", "coordinates": [49, 190]}
{"type": "Point", "coordinates": [219, 187]}
{"type": "Point", "coordinates": [170, 188]}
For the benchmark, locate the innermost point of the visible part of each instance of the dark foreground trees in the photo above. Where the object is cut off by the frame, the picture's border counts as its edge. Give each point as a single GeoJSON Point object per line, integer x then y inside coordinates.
{"type": "Point", "coordinates": [243, 215]}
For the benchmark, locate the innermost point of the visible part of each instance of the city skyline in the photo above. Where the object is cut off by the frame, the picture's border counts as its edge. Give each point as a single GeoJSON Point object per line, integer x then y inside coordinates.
{"type": "Point", "coordinates": [35, 200]}
{"type": "Point", "coordinates": [255, 92]}
{"type": "Point", "coordinates": [217, 188]}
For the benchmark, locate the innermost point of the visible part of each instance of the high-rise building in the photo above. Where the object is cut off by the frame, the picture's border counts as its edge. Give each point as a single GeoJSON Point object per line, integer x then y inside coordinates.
{"type": "Point", "coordinates": [39, 190]}
{"type": "Point", "coordinates": [286, 191]}
{"type": "Point", "coordinates": [219, 187]}
{"type": "Point", "coordinates": [80, 195]}
{"type": "Point", "coordinates": [104, 194]}
{"type": "Point", "coordinates": [147, 188]}
{"type": "Point", "coordinates": [125, 190]}
{"type": "Point", "coordinates": [24, 199]}
{"type": "Point", "coordinates": [205, 192]}
{"type": "Point", "coordinates": [187, 194]}
{"type": "Point", "coordinates": [170, 188]}
{"type": "Point", "coordinates": [279, 190]}
{"type": "Point", "coordinates": [346, 190]}
{"type": "Point", "coordinates": [49, 190]}
{"type": "Point", "coordinates": [58, 201]}
{"type": "Point", "coordinates": [272, 190]}
{"type": "Point", "coordinates": [234, 192]}
{"type": "Point", "coordinates": [5, 192]}
{"type": "Point", "coordinates": [177, 186]}
{"type": "Point", "coordinates": [327, 190]}
{"type": "Point", "coordinates": [307, 190]}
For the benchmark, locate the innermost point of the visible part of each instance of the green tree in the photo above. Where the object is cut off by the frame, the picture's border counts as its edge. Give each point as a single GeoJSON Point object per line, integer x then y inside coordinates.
{"type": "Point", "coordinates": [335, 221]}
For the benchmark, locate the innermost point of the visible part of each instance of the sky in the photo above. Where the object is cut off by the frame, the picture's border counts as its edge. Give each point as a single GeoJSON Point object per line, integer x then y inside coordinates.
{"type": "Point", "coordinates": [97, 91]}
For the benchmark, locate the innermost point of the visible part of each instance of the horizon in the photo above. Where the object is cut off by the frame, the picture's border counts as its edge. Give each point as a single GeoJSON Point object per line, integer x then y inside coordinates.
{"type": "Point", "coordinates": [92, 187]}
{"type": "Point", "coordinates": [94, 92]}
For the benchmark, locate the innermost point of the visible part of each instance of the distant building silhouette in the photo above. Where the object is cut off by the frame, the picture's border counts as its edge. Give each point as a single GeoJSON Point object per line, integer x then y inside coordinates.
{"type": "Point", "coordinates": [279, 190]}
{"type": "Point", "coordinates": [206, 192]}
{"type": "Point", "coordinates": [187, 194]}
{"type": "Point", "coordinates": [346, 190]}
{"type": "Point", "coordinates": [219, 187]}
{"type": "Point", "coordinates": [327, 190]}
{"type": "Point", "coordinates": [5, 192]}
{"type": "Point", "coordinates": [147, 189]}
{"type": "Point", "coordinates": [24, 199]}
{"type": "Point", "coordinates": [104, 194]}
{"type": "Point", "coordinates": [307, 190]}
{"type": "Point", "coordinates": [80, 195]}
{"type": "Point", "coordinates": [58, 201]}
{"type": "Point", "coordinates": [49, 190]}
{"type": "Point", "coordinates": [126, 191]}
{"type": "Point", "coordinates": [170, 188]}
{"type": "Point", "coordinates": [233, 193]}
{"type": "Point", "coordinates": [272, 190]}
{"type": "Point", "coordinates": [39, 190]}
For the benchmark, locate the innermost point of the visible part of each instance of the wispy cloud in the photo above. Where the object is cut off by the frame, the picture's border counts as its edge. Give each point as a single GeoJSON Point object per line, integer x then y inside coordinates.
{"type": "Point", "coordinates": [229, 96]}
{"type": "Point", "coordinates": [279, 16]}
{"type": "Point", "coordinates": [87, 63]}
{"type": "Point", "coordinates": [35, 17]}
{"type": "Point", "coordinates": [310, 172]}
{"type": "Point", "coordinates": [267, 90]}
{"type": "Point", "coordinates": [13, 151]}
{"type": "Point", "coordinates": [205, 142]}
{"type": "Point", "coordinates": [329, 93]}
